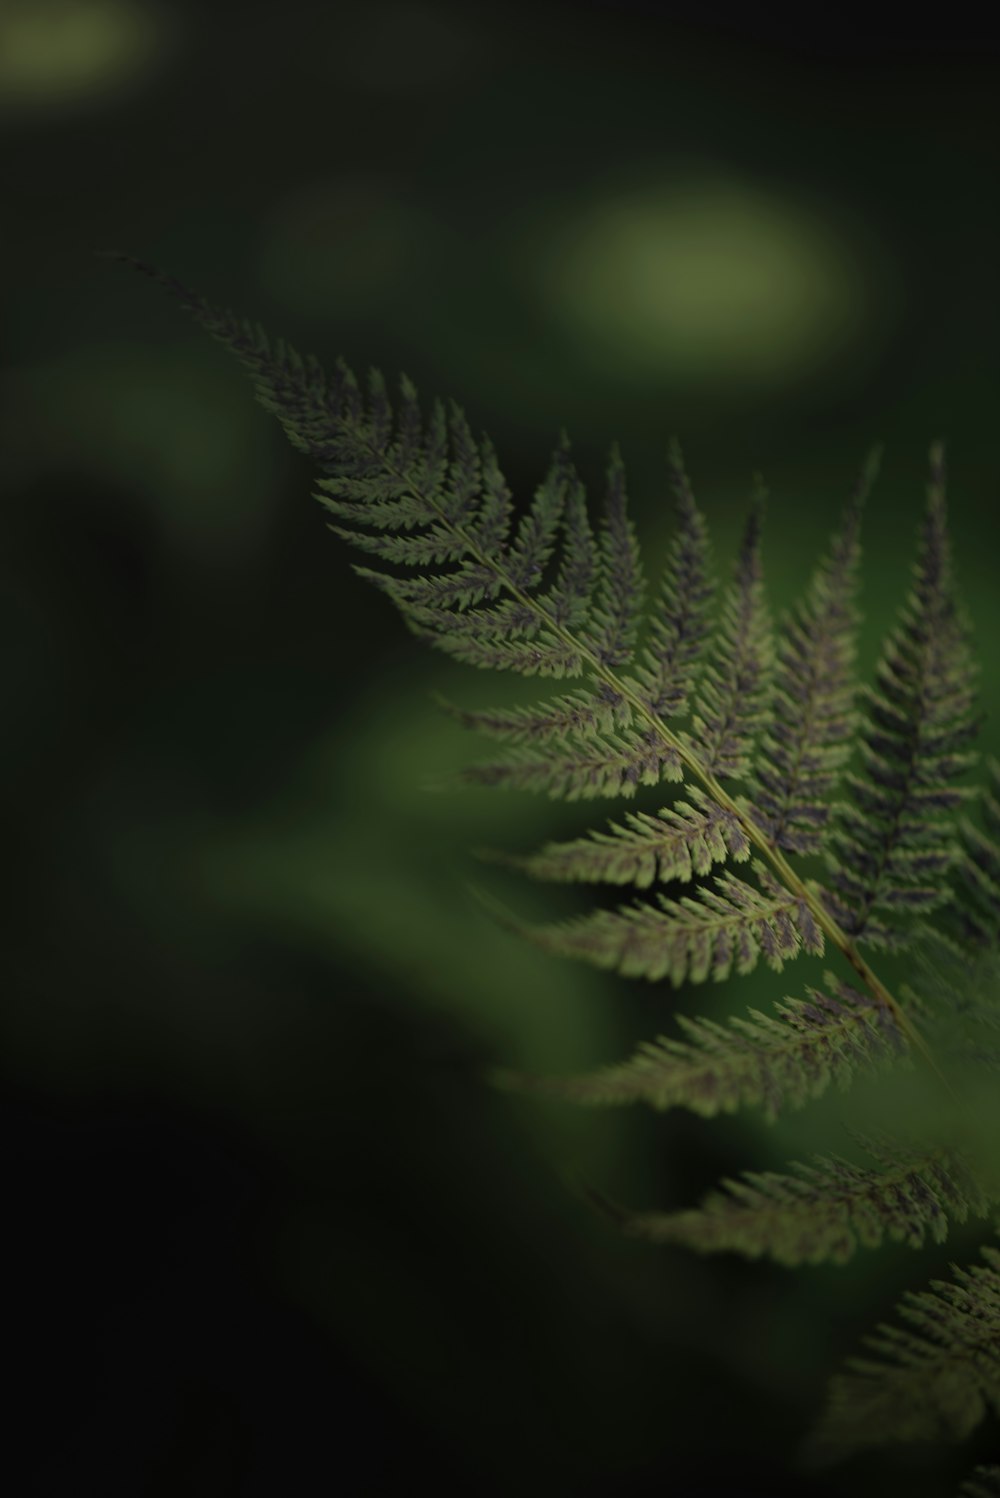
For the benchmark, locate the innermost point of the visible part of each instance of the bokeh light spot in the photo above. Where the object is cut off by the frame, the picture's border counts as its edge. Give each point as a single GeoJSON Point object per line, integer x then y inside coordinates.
{"type": "Point", "coordinates": [58, 52]}
{"type": "Point", "coordinates": [716, 283]}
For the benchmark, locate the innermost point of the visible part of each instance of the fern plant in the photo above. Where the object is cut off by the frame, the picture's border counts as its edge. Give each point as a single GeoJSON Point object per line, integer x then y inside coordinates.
{"type": "Point", "coordinates": [758, 721]}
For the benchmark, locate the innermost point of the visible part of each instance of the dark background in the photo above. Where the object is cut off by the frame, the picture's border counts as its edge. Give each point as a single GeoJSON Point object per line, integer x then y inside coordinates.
{"type": "Point", "coordinates": [268, 1232]}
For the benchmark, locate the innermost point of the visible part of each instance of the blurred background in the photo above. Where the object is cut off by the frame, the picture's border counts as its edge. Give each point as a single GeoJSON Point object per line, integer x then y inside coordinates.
{"type": "Point", "coordinates": [268, 1230]}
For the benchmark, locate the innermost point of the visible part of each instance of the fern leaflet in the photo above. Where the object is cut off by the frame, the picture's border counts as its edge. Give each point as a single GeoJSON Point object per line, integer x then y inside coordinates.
{"type": "Point", "coordinates": [680, 841]}
{"type": "Point", "coordinates": [891, 850]}
{"type": "Point", "coordinates": [939, 1379]}
{"type": "Point", "coordinates": [680, 626]}
{"type": "Point", "coordinates": [826, 1210]}
{"type": "Point", "coordinates": [733, 703]}
{"type": "Point", "coordinates": [762, 1061]}
{"type": "Point", "coordinates": [814, 714]}
{"type": "Point", "coordinates": [688, 940]}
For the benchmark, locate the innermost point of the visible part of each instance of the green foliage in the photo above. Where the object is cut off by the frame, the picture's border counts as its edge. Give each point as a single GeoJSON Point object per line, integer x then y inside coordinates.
{"type": "Point", "coordinates": [688, 940]}
{"type": "Point", "coordinates": [677, 843]}
{"type": "Point", "coordinates": [939, 1379]}
{"type": "Point", "coordinates": [733, 702]}
{"type": "Point", "coordinates": [826, 1210]}
{"type": "Point", "coordinates": [808, 739]}
{"type": "Point", "coordinates": [759, 724]}
{"type": "Point", "coordinates": [891, 850]}
{"type": "Point", "coordinates": [972, 920]}
{"type": "Point", "coordinates": [767, 1061]}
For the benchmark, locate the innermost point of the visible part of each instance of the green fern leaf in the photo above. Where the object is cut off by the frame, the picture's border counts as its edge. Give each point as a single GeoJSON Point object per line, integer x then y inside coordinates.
{"type": "Point", "coordinates": [680, 626]}
{"type": "Point", "coordinates": [679, 842]}
{"type": "Point", "coordinates": [580, 714]}
{"type": "Point", "coordinates": [732, 705]}
{"type": "Point", "coordinates": [690, 939]}
{"type": "Point", "coordinates": [426, 503]}
{"type": "Point", "coordinates": [826, 1210]}
{"type": "Point", "coordinates": [537, 532]}
{"type": "Point", "coordinates": [545, 655]}
{"type": "Point", "coordinates": [937, 1380]}
{"type": "Point", "coordinates": [615, 615]}
{"type": "Point", "coordinates": [972, 918]}
{"type": "Point", "coordinates": [813, 701]}
{"type": "Point", "coordinates": [569, 600]}
{"type": "Point", "coordinates": [763, 1061]}
{"type": "Point", "coordinates": [891, 851]}
{"type": "Point", "coordinates": [425, 494]}
{"type": "Point", "coordinates": [612, 764]}
{"type": "Point", "coordinates": [958, 992]}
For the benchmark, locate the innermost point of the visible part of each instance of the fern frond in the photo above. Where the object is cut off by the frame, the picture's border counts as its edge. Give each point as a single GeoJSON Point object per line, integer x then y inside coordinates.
{"type": "Point", "coordinates": [890, 851]}
{"type": "Point", "coordinates": [426, 503]}
{"type": "Point", "coordinates": [569, 599]}
{"type": "Point", "coordinates": [813, 700]}
{"type": "Point", "coordinates": [937, 1380]}
{"type": "Point", "coordinates": [762, 1061]}
{"type": "Point", "coordinates": [959, 994]}
{"type": "Point", "coordinates": [585, 744]}
{"type": "Point", "coordinates": [679, 842]}
{"type": "Point", "coordinates": [680, 626]}
{"type": "Point", "coordinates": [610, 764]}
{"type": "Point", "coordinates": [425, 495]}
{"type": "Point", "coordinates": [615, 615]}
{"type": "Point", "coordinates": [543, 655]}
{"type": "Point", "coordinates": [690, 939]}
{"type": "Point", "coordinates": [581, 713]}
{"type": "Point", "coordinates": [972, 919]}
{"type": "Point", "coordinates": [539, 527]}
{"type": "Point", "coordinates": [828, 1209]}
{"type": "Point", "coordinates": [732, 705]}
